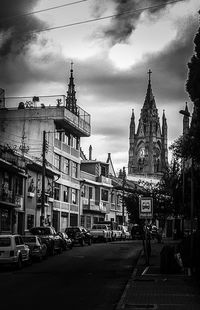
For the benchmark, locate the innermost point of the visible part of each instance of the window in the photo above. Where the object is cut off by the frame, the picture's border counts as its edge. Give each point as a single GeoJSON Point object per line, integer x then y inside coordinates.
{"type": "Point", "coordinates": [30, 221]}
{"type": "Point", "coordinates": [57, 159]}
{"type": "Point", "coordinates": [66, 166]}
{"type": "Point", "coordinates": [5, 241]}
{"type": "Point", "coordinates": [90, 192]}
{"type": "Point", "coordinates": [104, 194]}
{"type": "Point", "coordinates": [75, 142]}
{"type": "Point", "coordinates": [58, 135]}
{"type": "Point", "coordinates": [5, 219]}
{"type": "Point", "coordinates": [65, 194]}
{"type": "Point", "coordinates": [82, 220]}
{"type": "Point", "coordinates": [103, 171]}
{"type": "Point", "coordinates": [112, 197]}
{"type": "Point", "coordinates": [57, 191]}
{"type": "Point", "coordinates": [66, 138]}
{"type": "Point", "coordinates": [19, 186]}
{"type": "Point", "coordinates": [74, 170]}
{"type": "Point", "coordinates": [88, 221]}
{"type": "Point", "coordinates": [74, 196]}
{"type": "Point", "coordinates": [17, 240]}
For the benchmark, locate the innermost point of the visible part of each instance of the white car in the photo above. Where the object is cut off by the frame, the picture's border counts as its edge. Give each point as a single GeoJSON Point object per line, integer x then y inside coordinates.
{"type": "Point", "coordinates": [125, 233]}
{"type": "Point", "coordinates": [101, 232]}
{"type": "Point", "coordinates": [13, 251]}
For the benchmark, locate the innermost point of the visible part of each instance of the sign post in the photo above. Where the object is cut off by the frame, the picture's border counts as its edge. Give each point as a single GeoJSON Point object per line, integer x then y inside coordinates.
{"type": "Point", "coordinates": [146, 212]}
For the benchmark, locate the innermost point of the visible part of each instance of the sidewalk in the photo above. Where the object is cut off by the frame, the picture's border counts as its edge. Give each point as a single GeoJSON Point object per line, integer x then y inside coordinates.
{"type": "Point", "coordinates": [149, 289]}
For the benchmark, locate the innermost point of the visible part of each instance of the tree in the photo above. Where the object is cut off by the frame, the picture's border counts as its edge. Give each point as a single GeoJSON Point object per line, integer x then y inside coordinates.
{"type": "Point", "coordinates": [193, 82]}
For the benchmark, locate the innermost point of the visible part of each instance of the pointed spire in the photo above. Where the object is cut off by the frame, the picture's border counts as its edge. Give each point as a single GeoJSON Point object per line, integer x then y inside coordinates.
{"type": "Point", "coordinates": [133, 118]}
{"type": "Point", "coordinates": [71, 93]}
{"type": "Point", "coordinates": [149, 102]}
{"type": "Point", "coordinates": [90, 152]}
{"type": "Point", "coordinates": [164, 123]}
{"type": "Point", "coordinates": [163, 116]}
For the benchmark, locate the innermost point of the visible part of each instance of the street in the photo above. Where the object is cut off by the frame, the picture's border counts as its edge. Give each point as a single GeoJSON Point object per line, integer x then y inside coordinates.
{"type": "Point", "coordinates": [89, 277]}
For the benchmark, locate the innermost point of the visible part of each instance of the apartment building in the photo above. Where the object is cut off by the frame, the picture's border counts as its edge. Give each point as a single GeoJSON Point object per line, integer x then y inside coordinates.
{"type": "Point", "coordinates": [12, 189]}
{"type": "Point", "coordinates": [101, 194]}
{"type": "Point", "coordinates": [49, 128]}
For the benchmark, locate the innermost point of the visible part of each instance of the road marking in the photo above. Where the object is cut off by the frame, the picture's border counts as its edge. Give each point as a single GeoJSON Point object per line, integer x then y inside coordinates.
{"type": "Point", "coordinates": [145, 270]}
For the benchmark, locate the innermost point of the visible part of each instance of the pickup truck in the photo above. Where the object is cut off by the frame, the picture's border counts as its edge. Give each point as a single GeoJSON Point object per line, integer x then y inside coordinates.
{"type": "Point", "coordinates": [116, 234]}
{"type": "Point", "coordinates": [101, 232]}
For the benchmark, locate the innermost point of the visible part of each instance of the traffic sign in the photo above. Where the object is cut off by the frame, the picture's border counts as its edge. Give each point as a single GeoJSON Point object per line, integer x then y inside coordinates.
{"type": "Point", "coordinates": [146, 207]}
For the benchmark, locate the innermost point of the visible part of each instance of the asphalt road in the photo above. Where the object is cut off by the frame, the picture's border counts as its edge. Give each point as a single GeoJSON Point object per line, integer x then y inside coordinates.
{"type": "Point", "coordinates": [89, 278]}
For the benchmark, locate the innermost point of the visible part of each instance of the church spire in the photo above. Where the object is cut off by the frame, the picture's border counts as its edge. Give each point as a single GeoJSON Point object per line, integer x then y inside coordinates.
{"type": "Point", "coordinates": [149, 102]}
{"type": "Point", "coordinates": [71, 93]}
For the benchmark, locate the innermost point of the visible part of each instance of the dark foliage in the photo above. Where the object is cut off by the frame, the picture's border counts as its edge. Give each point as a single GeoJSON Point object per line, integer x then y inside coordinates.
{"type": "Point", "coordinates": [193, 82]}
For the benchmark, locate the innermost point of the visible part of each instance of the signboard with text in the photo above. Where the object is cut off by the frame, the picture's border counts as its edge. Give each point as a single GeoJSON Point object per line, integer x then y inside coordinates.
{"type": "Point", "coordinates": [146, 208]}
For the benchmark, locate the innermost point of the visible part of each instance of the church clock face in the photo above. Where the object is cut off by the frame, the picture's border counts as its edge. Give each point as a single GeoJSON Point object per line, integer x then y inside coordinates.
{"type": "Point", "coordinates": [141, 152]}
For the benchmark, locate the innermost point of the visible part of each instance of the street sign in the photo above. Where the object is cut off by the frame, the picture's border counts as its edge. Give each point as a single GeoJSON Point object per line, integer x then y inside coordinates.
{"type": "Point", "coordinates": [146, 208]}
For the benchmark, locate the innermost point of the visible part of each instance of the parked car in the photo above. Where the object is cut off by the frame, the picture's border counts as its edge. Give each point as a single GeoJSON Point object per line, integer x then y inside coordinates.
{"type": "Point", "coordinates": [14, 251]}
{"type": "Point", "coordinates": [101, 232]}
{"type": "Point", "coordinates": [38, 250]}
{"type": "Point", "coordinates": [66, 241]}
{"type": "Point", "coordinates": [48, 236]}
{"type": "Point", "coordinates": [113, 226]}
{"type": "Point", "coordinates": [79, 235]}
{"type": "Point", "coordinates": [125, 234]}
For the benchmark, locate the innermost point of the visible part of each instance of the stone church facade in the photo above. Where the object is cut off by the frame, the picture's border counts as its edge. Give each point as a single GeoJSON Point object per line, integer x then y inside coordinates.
{"type": "Point", "coordinates": [148, 150]}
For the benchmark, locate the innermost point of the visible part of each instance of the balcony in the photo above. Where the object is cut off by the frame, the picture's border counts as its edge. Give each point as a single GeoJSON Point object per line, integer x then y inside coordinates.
{"type": "Point", "coordinates": [92, 205]}
{"type": "Point", "coordinates": [9, 197]}
{"type": "Point", "coordinates": [48, 107]}
{"type": "Point", "coordinates": [104, 180]}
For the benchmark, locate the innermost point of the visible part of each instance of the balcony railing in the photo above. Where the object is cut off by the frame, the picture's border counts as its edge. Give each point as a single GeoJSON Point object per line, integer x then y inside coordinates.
{"type": "Point", "coordinates": [8, 154]}
{"type": "Point", "coordinates": [11, 197]}
{"type": "Point", "coordinates": [93, 205]}
{"type": "Point", "coordinates": [76, 115]}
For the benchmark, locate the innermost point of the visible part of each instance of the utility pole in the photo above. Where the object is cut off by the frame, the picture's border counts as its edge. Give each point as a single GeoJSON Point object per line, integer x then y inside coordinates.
{"type": "Point", "coordinates": [43, 178]}
{"type": "Point", "coordinates": [123, 188]}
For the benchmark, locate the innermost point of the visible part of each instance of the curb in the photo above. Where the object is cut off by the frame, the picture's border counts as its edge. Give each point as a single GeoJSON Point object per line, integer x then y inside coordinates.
{"type": "Point", "coordinates": [121, 303]}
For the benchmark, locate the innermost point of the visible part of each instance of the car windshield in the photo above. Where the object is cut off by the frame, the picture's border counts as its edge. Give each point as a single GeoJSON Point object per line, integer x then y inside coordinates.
{"type": "Point", "coordinates": [5, 241]}
{"type": "Point", "coordinates": [40, 231]}
{"type": "Point", "coordinates": [29, 239]}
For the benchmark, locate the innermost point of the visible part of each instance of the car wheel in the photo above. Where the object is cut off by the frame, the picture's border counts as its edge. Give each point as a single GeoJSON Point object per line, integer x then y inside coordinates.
{"type": "Point", "coordinates": [19, 263]}
{"type": "Point", "coordinates": [82, 242]}
{"type": "Point", "coordinates": [52, 251]}
{"type": "Point", "coordinates": [114, 238]}
{"type": "Point", "coordinates": [30, 261]}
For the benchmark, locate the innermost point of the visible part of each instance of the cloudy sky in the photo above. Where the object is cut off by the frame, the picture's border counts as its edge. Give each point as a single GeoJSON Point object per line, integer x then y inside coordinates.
{"type": "Point", "coordinates": [112, 43]}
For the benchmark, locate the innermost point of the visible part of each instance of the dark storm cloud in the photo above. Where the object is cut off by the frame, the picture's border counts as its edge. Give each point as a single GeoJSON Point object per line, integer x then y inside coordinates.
{"type": "Point", "coordinates": [170, 66]}
{"type": "Point", "coordinates": [123, 24]}
{"type": "Point", "coordinates": [168, 79]}
{"type": "Point", "coordinates": [17, 31]}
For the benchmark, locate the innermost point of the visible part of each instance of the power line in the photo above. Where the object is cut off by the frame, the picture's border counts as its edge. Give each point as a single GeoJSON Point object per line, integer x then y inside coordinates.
{"type": "Point", "coordinates": [43, 10]}
{"type": "Point", "coordinates": [106, 17]}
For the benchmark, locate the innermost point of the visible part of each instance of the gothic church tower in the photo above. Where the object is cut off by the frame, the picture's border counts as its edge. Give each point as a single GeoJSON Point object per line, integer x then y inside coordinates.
{"type": "Point", "coordinates": [148, 151]}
